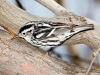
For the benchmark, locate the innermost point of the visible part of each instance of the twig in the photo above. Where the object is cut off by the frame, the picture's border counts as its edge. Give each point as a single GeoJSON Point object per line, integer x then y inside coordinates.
{"type": "Point", "coordinates": [99, 59]}
{"type": "Point", "coordinates": [95, 54]}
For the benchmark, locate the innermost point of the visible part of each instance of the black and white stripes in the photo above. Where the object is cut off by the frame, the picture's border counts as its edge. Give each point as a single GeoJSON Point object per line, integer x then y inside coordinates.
{"type": "Point", "coordinates": [45, 34]}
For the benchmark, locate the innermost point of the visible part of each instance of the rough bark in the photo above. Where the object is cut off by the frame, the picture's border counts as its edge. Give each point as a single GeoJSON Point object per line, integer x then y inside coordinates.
{"type": "Point", "coordinates": [17, 57]}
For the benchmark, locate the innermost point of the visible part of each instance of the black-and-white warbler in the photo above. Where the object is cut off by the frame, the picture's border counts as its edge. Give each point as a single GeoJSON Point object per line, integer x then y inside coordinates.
{"type": "Point", "coordinates": [45, 34]}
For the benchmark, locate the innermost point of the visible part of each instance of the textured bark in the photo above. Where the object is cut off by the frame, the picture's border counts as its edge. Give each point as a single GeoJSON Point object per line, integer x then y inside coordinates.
{"type": "Point", "coordinates": [17, 57]}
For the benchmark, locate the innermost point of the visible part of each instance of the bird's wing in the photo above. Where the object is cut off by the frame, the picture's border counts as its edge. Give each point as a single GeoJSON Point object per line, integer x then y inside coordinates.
{"type": "Point", "coordinates": [49, 30]}
{"type": "Point", "coordinates": [41, 33]}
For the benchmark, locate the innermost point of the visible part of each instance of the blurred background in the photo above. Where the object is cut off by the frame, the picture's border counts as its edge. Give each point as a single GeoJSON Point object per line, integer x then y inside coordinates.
{"type": "Point", "coordinates": [80, 54]}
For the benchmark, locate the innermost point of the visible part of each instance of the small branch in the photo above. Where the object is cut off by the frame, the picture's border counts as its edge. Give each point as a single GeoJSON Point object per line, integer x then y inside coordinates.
{"type": "Point", "coordinates": [94, 56]}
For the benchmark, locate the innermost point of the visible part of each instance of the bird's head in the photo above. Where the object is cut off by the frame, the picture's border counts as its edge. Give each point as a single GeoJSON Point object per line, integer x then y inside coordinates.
{"type": "Point", "coordinates": [27, 30]}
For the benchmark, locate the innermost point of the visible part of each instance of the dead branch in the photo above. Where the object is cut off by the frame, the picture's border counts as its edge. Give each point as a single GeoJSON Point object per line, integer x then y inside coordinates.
{"type": "Point", "coordinates": [94, 56]}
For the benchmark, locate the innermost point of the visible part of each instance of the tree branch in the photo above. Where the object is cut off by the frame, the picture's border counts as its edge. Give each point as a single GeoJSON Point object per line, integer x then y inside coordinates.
{"type": "Point", "coordinates": [19, 57]}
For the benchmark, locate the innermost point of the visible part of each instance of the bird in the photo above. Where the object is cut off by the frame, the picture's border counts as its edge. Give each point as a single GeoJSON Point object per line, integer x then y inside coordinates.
{"type": "Point", "coordinates": [48, 34]}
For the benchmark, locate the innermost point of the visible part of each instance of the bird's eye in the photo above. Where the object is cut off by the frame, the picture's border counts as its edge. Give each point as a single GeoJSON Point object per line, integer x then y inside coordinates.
{"type": "Point", "coordinates": [23, 33]}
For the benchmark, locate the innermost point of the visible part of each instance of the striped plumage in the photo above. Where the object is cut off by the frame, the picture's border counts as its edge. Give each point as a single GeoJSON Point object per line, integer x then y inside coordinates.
{"type": "Point", "coordinates": [45, 34]}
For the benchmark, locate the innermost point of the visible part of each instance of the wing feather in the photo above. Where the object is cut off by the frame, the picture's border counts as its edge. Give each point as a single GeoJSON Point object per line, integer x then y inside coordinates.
{"type": "Point", "coordinates": [50, 29]}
